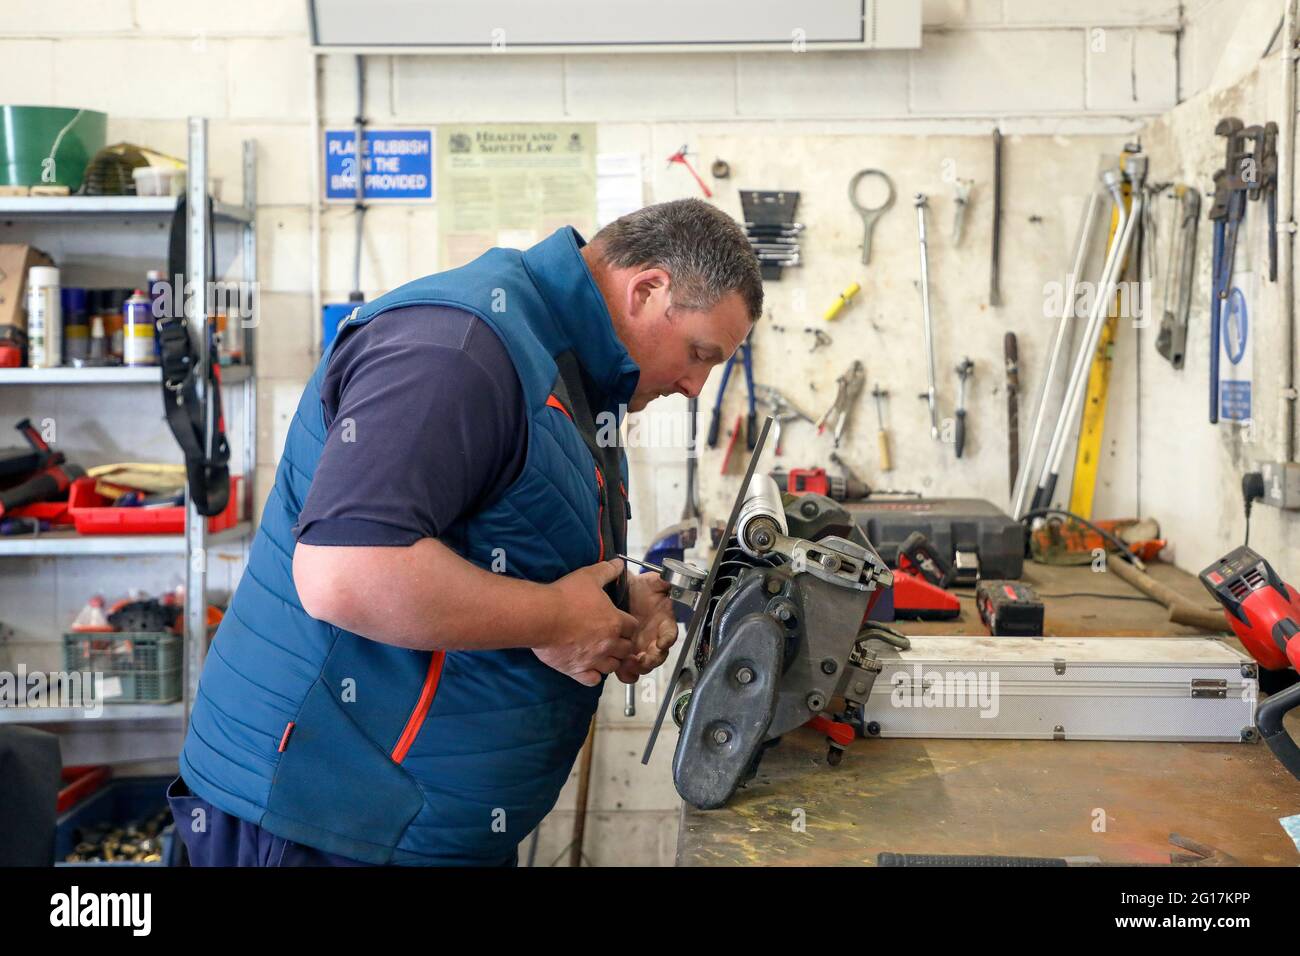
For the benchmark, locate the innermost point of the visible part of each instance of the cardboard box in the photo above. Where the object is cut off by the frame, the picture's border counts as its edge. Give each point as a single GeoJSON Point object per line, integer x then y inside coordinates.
{"type": "Point", "coordinates": [15, 260]}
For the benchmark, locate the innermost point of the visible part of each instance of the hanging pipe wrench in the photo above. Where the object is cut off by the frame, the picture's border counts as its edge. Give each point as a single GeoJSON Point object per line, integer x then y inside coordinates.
{"type": "Point", "coordinates": [837, 416]}
{"type": "Point", "coordinates": [1231, 184]}
{"type": "Point", "coordinates": [781, 410]}
{"type": "Point", "coordinates": [921, 204]}
{"type": "Point", "coordinates": [964, 370]}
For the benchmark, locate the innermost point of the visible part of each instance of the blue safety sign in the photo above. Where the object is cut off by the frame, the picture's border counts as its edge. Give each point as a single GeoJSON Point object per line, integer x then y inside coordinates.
{"type": "Point", "coordinates": [1235, 382]}
{"type": "Point", "coordinates": [398, 164]}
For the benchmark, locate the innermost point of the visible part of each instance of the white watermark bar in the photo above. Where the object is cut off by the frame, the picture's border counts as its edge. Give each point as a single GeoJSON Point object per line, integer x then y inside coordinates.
{"type": "Point", "coordinates": [33, 689]}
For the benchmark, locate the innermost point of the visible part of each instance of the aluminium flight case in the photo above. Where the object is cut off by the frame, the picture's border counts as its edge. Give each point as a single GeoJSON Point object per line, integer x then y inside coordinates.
{"type": "Point", "coordinates": [1065, 688]}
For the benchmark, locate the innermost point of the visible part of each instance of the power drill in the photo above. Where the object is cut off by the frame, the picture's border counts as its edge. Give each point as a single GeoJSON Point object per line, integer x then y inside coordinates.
{"type": "Point", "coordinates": [1264, 613]}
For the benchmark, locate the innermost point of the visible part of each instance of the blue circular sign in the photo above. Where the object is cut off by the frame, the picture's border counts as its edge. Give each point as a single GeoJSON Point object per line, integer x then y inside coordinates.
{"type": "Point", "coordinates": [1236, 327]}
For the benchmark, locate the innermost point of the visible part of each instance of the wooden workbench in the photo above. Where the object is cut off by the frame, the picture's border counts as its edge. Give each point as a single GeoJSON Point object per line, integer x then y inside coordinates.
{"type": "Point", "coordinates": [1115, 801]}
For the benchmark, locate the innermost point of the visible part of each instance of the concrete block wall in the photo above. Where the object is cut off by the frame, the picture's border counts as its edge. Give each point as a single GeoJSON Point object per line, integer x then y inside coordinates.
{"type": "Point", "coordinates": [1065, 81]}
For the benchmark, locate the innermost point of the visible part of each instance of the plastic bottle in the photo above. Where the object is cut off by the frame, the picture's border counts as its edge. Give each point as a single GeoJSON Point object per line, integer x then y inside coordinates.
{"type": "Point", "coordinates": [44, 318]}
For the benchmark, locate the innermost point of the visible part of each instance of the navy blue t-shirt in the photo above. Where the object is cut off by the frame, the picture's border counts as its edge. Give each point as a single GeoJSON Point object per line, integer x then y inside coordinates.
{"type": "Point", "coordinates": [426, 424]}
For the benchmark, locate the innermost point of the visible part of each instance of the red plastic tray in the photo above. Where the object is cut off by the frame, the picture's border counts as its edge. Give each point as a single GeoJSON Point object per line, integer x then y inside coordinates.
{"type": "Point", "coordinates": [92, 513]}
{"type": "Point", "coordinates": [55, 512]}
{"type": "Point", "coordinates": [80, 782]}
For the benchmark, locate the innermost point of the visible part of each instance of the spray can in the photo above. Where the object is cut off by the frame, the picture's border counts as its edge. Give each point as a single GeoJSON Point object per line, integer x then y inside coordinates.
{"type": "Point", "coordinates": [44, 318]}
{"type": "Point", "coordinates": [76, 325]}
{"type": "Point", "coordinates": [137, 330]}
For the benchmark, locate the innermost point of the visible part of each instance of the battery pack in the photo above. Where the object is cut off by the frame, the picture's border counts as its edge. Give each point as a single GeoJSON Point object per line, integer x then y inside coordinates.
{"type": "Point", "coordinates": [1009, 608]}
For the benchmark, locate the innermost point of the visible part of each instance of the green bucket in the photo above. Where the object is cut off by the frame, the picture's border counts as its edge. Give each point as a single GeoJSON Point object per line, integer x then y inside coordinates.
{"type": "Point", "coordinates": [48, 145]}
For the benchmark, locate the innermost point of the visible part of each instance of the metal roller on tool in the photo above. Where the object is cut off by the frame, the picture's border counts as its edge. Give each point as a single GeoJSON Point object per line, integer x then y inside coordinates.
{"type": "Point", "coordinates": [776, 637]}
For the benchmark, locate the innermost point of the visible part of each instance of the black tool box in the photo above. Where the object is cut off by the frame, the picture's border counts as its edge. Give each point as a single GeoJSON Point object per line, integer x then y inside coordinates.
{"type": "Point", "coordinates": [979, 539]}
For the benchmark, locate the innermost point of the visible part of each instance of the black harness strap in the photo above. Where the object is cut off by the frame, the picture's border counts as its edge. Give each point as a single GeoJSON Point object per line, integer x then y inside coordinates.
{"type": "Point", "coordinates": [206, 464]}
{"type": "Point", "coordinates": [574, 390]}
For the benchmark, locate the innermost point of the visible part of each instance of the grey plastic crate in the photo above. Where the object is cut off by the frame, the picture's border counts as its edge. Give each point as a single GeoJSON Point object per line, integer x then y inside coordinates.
{"type": "Point", "coordinates": [137, 666]}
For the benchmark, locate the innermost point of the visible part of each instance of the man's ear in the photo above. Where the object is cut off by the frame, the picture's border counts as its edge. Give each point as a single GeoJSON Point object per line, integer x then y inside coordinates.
{"type": "Point", "coordinates": [644, 290]}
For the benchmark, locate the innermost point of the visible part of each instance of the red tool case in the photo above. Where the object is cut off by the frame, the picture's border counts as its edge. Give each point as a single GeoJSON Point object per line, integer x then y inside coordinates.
{"type": "Point", "coordinates": [92, 514]}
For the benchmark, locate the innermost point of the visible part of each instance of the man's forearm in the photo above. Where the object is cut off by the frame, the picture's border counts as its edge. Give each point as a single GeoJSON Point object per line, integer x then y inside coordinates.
{"type": "Point", "coordinates": [424, 596]}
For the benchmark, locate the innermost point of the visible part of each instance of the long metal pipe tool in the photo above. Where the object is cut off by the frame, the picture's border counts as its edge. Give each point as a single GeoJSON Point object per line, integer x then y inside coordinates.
{"type": "Point", "coordinates": [1061, 341]}
{"type": "Point", "coordinates": [921, 205]}
{"type": "Point", "coordinates": [1071, 405]}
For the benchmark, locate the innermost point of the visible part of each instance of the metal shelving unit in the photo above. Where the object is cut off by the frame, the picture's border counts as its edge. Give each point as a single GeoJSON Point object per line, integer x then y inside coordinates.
{"type": "Point", "coordinates": [111, 375]}
{"type": "Point", "coordinates": [80, 207]}
{"type": "Point", "coordinates": [111, 713]}
{"type": "Point", "coordinates": [194, 544]}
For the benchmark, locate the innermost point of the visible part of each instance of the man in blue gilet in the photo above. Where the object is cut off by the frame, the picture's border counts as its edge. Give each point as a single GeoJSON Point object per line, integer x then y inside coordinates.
{"type": "Point", "coordinates": [414, 653]}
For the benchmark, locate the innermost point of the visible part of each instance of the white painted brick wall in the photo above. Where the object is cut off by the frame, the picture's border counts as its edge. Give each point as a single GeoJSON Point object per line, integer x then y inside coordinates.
{"type": "Point", "coordinates": [798, 85]}
{"type": "Point", "coordinates": [1130, 70]}
{"type": "Point", "coordinates": [999, 72]}
{"type": "Point", "coordinates": [27, 71]}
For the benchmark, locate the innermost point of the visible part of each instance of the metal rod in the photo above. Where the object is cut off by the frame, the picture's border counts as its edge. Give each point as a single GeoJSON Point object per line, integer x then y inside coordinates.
{"type": "Point", "coordinates": [1287, 216]}
{"type": "Point", "coordinates": [929, 395]}
{"type": "Point", "coordinates": [1064, 325]}
{"type": "Point", "coordinates": [645, 564]}
{"type": "Point", "coordinates": [197, 241]}
{"type": "Point", "coordinates": [1096, 321]}
{"type": "Point", "coordinates": [359, 206]}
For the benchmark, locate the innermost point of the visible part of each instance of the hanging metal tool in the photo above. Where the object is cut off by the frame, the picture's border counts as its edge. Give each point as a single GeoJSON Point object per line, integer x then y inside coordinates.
{"type": "Point", "coordinates": [882, 436]}
{"type": "Point", "coordinates": [930, 395]}
{"type": "Point", "coordinates": [781, 410]}
{"type": "Point", "coordinates": [1171, 338]}
{"type": "Point", "coordinates": [770, 225]}
{"type": "Point", "coordinates": [995, 293]}
{"type": "Point", "coordinates": [745, 354]}
{"type": "Point", "coordinates": [679, 157]}
{"type": "Point", "coordinates": [1227, 212]}
{"type": "Point", "coordinates": [1092, 421]}
{"type": "Point", "coordinates": [1011, 356]}
{"type": "Point", "coordinates": [1268, 184]}
{"type": "Point", "coordinates": [820, 339]}
{"type": "Point", "coordinates": [869, 214]}
{"type": "Point", "coordinates": [1060, 343]}
{"type": "Point", "coordinates": [961, 200]}
{"type": "Point", "coordinates": [964, 370]}
{"type": "Point", "coordinates": [1074, 390]}
{"type": "Point", "coordinates": [359, 158]}
{"type": "Point", "coordinates": [837, 416]}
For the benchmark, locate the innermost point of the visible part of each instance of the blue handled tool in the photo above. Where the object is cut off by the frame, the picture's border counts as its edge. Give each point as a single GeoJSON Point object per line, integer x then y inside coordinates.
{"type": "Point", "coordinates": [745, 354]}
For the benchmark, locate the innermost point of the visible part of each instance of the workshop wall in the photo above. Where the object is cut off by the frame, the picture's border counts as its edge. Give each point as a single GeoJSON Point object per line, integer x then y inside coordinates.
{"type": "Point", "coordinates": [1164, 458]}
{"type": "Point", "coordinates": [1065, 81]}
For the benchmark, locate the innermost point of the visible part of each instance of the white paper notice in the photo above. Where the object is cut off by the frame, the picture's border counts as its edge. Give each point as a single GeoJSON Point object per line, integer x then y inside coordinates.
{"type": "Point", "coordinates": [619, 188]}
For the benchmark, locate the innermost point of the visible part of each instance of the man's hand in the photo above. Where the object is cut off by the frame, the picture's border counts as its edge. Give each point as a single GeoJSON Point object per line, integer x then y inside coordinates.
{"type": "Point", "coordinates": [587, 636]}
{"type": "Point", "coordinates": [656, 626]}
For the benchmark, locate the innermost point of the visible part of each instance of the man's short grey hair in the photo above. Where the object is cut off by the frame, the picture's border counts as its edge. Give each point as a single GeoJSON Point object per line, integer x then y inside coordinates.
{"type": "Point", "coordinates": [700, 246]}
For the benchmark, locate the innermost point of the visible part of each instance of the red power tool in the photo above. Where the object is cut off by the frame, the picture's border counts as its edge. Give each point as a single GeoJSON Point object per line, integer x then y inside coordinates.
{"type": "Point", "coordinates": [1264, 613]}
{"type": "Point", "coordinates": [48, 477]}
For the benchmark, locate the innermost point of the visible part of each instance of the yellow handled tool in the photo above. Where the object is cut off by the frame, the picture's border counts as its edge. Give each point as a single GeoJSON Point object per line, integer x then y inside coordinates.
{"type": "Point", "coordinates": [882, 436]}
{"type": "Point", "coordinates": [838, 305]}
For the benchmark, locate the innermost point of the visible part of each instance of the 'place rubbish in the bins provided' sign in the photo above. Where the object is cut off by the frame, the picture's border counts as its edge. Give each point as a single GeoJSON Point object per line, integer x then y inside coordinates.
{"type": "Point", "coordinates": [398, 164]}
